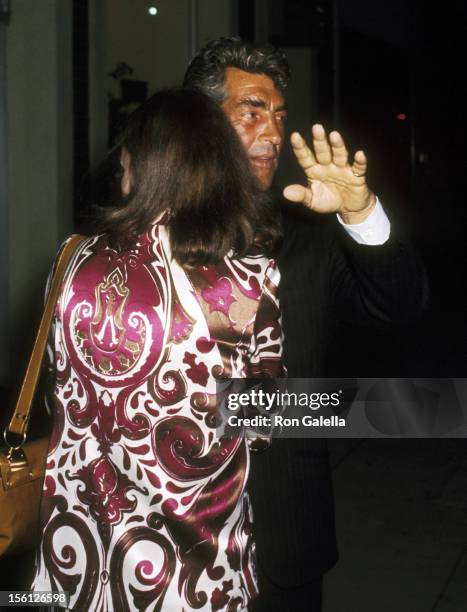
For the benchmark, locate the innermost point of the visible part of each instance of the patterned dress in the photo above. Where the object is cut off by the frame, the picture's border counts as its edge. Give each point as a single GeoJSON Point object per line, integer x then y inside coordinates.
{"type": "Point", "coordinates": [144, 507]}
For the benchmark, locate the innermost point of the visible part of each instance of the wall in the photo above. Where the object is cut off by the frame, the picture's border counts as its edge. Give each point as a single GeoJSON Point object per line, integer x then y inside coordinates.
{"type": "Point", "coordinates": [4, 282]}
{"type": "Point", "coordinates": [157, 48]}
{"type": "Point", "coordinates": [39, 156]}
{"type": "Point", "coordinates": [215, 18]}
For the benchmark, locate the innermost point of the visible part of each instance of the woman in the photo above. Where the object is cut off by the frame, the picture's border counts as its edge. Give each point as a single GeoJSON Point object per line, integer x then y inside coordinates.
{"type": "Point", "coordinates": [144, 507]}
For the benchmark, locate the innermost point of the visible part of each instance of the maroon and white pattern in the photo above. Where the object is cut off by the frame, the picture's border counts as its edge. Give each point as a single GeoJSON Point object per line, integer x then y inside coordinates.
{"type": "Point", "coordinates": [143, 507]}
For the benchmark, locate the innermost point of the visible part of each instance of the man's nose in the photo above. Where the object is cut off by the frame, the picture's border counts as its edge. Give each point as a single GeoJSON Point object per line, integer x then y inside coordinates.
{"type": "Point", "coordinates": [273, 131]}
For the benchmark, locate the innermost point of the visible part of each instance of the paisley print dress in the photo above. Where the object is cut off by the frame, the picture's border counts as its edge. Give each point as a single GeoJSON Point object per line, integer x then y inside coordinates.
{"type": "Point", "coordinates": [143, 506]}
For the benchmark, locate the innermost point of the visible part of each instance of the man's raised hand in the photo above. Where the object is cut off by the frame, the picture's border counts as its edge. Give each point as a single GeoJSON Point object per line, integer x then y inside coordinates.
{"type": "Point", "coordinates": [333, 185]}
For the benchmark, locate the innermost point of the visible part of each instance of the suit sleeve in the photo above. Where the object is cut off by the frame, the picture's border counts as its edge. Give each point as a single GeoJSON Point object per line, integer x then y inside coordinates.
{"type": "Point", "coordinates": [378, 285]}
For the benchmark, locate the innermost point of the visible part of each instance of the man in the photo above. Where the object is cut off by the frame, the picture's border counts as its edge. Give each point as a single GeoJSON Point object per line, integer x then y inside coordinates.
{"type": "Point", "coordinates": [357, 269]}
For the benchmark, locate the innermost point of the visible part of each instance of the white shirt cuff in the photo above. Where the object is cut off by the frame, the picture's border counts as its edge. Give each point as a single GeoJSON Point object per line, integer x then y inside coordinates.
{"type": "Point", "coordinates": [374, 230]}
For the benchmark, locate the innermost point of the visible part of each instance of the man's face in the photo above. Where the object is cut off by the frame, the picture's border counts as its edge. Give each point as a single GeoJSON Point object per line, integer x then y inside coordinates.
{"type": "Point", "coordinates": [257, 111]}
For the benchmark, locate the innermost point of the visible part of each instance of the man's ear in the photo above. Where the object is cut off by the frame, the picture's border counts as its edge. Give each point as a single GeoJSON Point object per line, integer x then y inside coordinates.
{"type": "Point", "coordinates": [125, 161]}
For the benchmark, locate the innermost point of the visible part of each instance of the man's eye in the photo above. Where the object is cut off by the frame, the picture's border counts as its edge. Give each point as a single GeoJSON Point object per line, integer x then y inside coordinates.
{"type": "Point", "coordinates": [250, 115]}
{"type": "Point", "coordinates": [281, 117]}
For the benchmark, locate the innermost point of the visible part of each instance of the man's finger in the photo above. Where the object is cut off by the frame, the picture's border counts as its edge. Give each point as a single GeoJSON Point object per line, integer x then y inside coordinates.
{"type": "Point", "coordinates": [302, 152]}
{"type": "Point", "coordinates": [340, 155]}
{"type": "Point", "coordinates": [321, 145]}
{"type": "Point", "coordinates": [298, 193]}
{"type": "Point", "coordinates": [359, 166]}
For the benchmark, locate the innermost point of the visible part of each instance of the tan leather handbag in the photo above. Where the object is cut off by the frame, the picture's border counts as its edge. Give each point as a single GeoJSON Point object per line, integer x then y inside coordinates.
{"type": "Point", "coordinates": [22, 465]}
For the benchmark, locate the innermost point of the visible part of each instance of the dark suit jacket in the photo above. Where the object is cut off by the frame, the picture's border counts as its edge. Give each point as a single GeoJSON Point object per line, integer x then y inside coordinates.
{"type": "Point", "coordinates": [325, 276]}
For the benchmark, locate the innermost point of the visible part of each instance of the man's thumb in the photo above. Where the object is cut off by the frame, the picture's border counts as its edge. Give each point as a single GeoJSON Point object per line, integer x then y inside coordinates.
{"type": "Point", "coordinates": [297, 193]}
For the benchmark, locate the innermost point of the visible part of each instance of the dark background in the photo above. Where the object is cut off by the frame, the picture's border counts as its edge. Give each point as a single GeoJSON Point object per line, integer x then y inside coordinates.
{"type": "Point", "coordinates": [390, 77]}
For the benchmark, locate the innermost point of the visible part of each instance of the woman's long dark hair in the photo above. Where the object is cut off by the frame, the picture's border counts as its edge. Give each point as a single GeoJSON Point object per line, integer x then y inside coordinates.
{"type": "Point", "coordinates": [186, 159]}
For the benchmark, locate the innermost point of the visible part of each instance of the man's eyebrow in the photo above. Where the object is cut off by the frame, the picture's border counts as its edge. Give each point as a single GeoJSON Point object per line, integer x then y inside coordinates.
{"type": "Point", "coordinates": [250, 101]}
{"type": "Point", "coordinates": [258, 103]}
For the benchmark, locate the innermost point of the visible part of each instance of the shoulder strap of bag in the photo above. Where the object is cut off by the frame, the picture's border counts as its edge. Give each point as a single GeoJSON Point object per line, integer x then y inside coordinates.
{"type": "Point", "coordinates": [20, 418]}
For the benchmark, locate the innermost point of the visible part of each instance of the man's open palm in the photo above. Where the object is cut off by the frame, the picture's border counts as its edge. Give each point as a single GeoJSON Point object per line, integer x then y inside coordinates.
{"type": "Point", "coordinates": [333, 185]}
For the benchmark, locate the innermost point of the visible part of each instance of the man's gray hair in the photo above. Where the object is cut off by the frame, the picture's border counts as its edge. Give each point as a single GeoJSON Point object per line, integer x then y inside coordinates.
{"type": "Point", "coordinates": [206, 72]}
